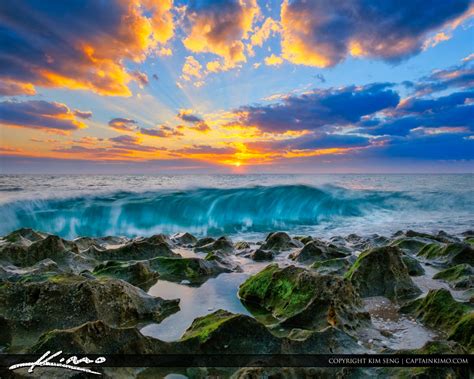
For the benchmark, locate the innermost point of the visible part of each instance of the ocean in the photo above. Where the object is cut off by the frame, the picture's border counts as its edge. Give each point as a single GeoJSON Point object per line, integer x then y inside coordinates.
{"type": "Point", "coordinates": [244, 207]}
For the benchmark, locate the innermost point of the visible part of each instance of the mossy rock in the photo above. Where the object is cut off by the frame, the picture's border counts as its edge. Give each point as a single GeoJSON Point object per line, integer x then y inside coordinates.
{"type": "Point", "coordinates": [337, 266]}
{"type": "Point", "coordinates": [304, 299]}
{"type": "Point", "coordinates": [437, 309]}
{"type": "Point", "coordinates": [463, 332]}
{"type": "Point", "coordinates": [413, 265]}
{"type": "Point", "coordinates": [261, 255]}
{"type": "Point", "coordinates": [184, 239]}
{"type": "Point", "coordinates": [280, 241]}
{"type": "Point", "coordinates": [449, 254]}
{"type": "Point", "coordinates": [458, 277]}
{"type": "Point", "coordinates": [135, 250]}
{"type": "Point", "coordinates": [51, 247]}
{"type": "Point", "coordinates": [432, 347]}
{"type": "Point", "coordinates": [330, 340]}
{"type": "Point", "coordinates": [204, 241]}
{"type": "Point", "coordinates": [225, 332]}
{"type": "Point", "coordinates": [65, 301]}
{"type": "Point", "coordinates": [411, 245]}
{"type": "Point", "coordinates": [193, 269]}
{"type": "Point", "coordinates": [317, 251]}
{"type": "Point", "coordinates": [24, 236]}
{"type": "Point", "coordinates": [222, 244]}
{"type": "Point", "coordinates": [381, 272]}
{"type": "Point", "coordinates": [136, 273]}
{"type": "Point", "coordinates": [97, 337]}
{"type": "Point", "coordinates": [242, 245]}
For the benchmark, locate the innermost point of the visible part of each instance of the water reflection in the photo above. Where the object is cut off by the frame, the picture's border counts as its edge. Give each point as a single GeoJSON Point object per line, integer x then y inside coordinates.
{"type": "Point", "coordinates": [216, 293]}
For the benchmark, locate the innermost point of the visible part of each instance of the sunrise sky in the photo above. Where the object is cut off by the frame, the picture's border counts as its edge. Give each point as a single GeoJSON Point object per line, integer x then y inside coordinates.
{"type": "Point", "coordinates": [236, 86]}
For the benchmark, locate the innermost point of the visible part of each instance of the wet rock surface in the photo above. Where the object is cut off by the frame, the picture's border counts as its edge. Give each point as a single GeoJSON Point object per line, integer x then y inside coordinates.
{"type": "Point", "coordinates": [86, 296]}
{"type": "Point", "coordinates": [302, 298]}
{"type": "Point", "coordinates": [381, 272]}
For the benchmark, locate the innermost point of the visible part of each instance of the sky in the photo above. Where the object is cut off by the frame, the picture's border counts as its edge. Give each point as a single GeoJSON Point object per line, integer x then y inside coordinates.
{"type": "Point", "coordinates": [236, 86]}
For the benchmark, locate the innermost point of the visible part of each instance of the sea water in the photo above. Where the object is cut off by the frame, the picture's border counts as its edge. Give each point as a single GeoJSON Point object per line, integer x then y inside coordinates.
{"type": "Point", "coordinates": [240, 206]}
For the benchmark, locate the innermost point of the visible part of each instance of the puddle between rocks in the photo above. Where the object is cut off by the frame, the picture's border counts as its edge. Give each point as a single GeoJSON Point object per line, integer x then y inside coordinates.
{"type": "Point", "coordinates": [215, 293]}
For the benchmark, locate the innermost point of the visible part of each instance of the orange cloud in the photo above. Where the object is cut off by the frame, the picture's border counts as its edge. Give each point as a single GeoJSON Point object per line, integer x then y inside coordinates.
{"type": "Point", "coordinates": [86, 47]}
{"type": "Point", "coordinates": [219, 28]}
{"type": "Point", "coordinates": [269, 27]}
{"type": "Point", "coordinates": [273, 60]}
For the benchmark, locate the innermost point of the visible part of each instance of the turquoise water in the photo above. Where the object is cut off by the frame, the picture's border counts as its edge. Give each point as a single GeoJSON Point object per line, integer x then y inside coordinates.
{"type": "Point", "coordinates": [242, 206]}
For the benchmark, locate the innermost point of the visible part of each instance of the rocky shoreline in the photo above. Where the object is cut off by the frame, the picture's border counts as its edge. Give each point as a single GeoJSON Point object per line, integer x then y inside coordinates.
{"type": "Point", "coordinates": [344, 295]}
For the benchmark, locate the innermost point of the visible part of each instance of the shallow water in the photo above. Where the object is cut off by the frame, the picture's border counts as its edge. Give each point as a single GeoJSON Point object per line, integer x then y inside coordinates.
{"type": "Point", "coordinates": [215, 293]}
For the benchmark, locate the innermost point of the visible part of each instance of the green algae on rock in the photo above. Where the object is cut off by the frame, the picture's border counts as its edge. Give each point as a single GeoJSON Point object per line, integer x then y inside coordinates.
{"type": "Point", "coordinates": [463, 332]}
{"type": "Point", "coordinates": [459, 277]}
{"type": "Point", "coordinates": [449, 254]}
{"type": "Point", "coordinates": [136, 273]}
{"type": "Point", "coordinates": [134, 250]}
{"type": "Point", "coordinates": [336, 266]}
{"type": "Point", "coordinates": [225, 332]}
{"type": "Point", "coordinates": [302, 298]}
{"type": "Point", "coordinates": [413, 265]}
{"type": "Point", "coordinates": [193, 269]}
{"type": "Point", "coordinates": [381, 272]}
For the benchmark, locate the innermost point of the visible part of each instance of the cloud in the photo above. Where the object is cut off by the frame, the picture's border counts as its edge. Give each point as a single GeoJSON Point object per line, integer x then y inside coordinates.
{"type": "Point", "coordinates": [12, 88]}
{"type": "Point", "coordinates": [131, 143]}
{"type": "Point", "coordinates": [161, 131]}
{"type": "Point", "coordinates": [420, 114]}
{"type": "Point", "coordinates": [273, 60]}
{"type": "Point", "coordinates": [188, 116]}
{"type": "Point", "coordinates": [191, 69]}
{"type": "Point", "coordinates": [219, 27]}
{"type": "Point", "coordinates": [319, 108]}
{"type": "Point", "coordinates": [269, 27]}
{"type": "Point", "coordinates": [80, 45]}
{"type": "Point", "coordinates": [123, 124]}
{"type": "Point", "coordinates": [460, 76]}
{"type": "Point", "coordinates": [83, 114]}
{"type": "Point", "coordinates": [39, 114]}
{"type": "Point", "coordinates": [206, 150]}
{"type": "Point", "coordinates": [140, 77]}
{"type": "Point", "coordinates": [323, 33]}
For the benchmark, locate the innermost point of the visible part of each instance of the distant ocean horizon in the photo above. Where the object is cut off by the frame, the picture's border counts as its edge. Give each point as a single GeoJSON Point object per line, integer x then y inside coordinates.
{"type": "Point", "coordinates": [240, 206]}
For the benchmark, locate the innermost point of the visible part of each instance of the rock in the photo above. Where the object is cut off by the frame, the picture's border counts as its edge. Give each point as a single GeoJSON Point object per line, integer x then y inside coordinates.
{"type": "Point", "coordinates": [411, 245]}
{"type": "Point", "coordinates": [463, 332]}
{"type": "Point", "coordinates": [24, 236]}
{"type": "Point", "coordinates": [40, 271]}
{"type": "Point", "coordinates": [65, 301]}
{"type": "Point", "coordinates": [160, 238]}
{"type": "Point", "coordinates": [304, 239]}
{"type": "Point", "coordinates": [184, 239]}
{"type": "Point", "coordinates": [194, 269]}
{"type": "Point", "coordinates": [317, 251]}
{"type": "Point", "coordinates": [204, 241]}
{"type": "Point", "coordinates": [414, 267]}
{"type": "Point", "coordinates": [280, 241]}
{"type": "Point", "coordinates": [223, 331]}
{"type": "Point", "coordinates": [223, 260]}
{"type": "Point", "coordinates": [336, 266]}
{"type": "Point", "coordinates": [329, 340]}
{"type": "Point", "coordinates": [459, 276]}
{"type": "Point", "coordinates": [381, 272]}
{"type": "Point", "coordinates": [304, 299]}
{"type": "Point", "coordinates": [136, 273]}
{"type": "Point", "coordinates": [437, 309]}
{"type": "Point", "coordinates": [51, 247]}
{"type": "Point", "coordinates": [242, 245]}
{"type": "Point", "coordinates": [433, 347]}
{"type": "Point", "coordinates": [97, 337]}
{"type": "Point", "coordinates": [449, 254]}
{"type": "Point", "coordinates": [297, 372]}
{"type": "Point", "coordinates": [223, 244]}
{"type": "Point", "coordinates": [364, 243]}
{"type": "Point", "coordinates": [135, 250]}
{"type": "Point", "coordinates": [5, 332]}
{"type": "Point", "coordinates": [260, 255]}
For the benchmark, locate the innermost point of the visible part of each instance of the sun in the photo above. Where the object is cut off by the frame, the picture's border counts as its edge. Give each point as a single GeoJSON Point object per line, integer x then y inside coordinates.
{"type": "Point", "coordinates": [237, 164]}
